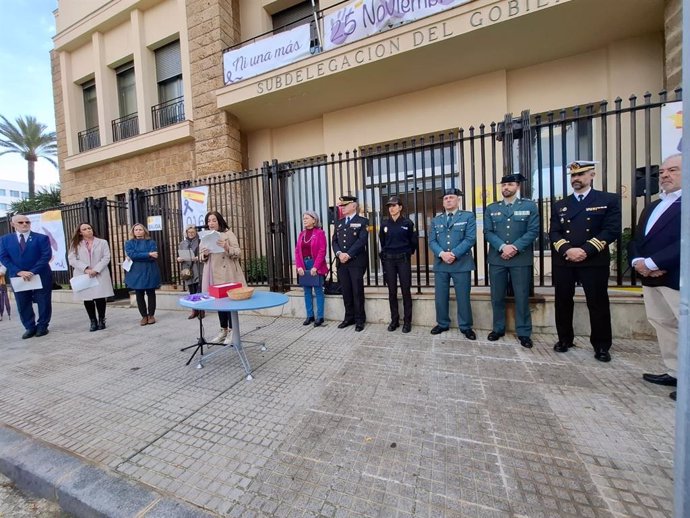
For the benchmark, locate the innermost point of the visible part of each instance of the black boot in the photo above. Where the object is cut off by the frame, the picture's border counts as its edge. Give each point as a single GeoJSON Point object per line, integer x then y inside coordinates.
{"type": "Point", "coordinates": [101, 323]}
{"type": "Point", "coordinates": [94, 325]}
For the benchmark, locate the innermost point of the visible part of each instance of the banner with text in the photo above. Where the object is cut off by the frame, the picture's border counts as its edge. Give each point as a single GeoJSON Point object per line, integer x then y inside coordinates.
{"type": "Point", "coordinates": [267, 54]}
{"type": "Point", "coordinates": [194, 206]}
{"type": "Point", "coordinates": [362, 18]}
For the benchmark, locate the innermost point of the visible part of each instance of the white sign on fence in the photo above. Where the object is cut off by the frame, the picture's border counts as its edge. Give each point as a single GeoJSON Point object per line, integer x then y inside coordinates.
{"type": "Point", "coordinates": [49, 223]}
{"type": "Point", "coordinates": [267, 54]}
{"type": "Point", "coordinates": [194, 206]}
{"type": "Point", "coordinates": [362, 18]}
{"type": "Point", "coordinates": [671, 128]}
{"type": "Point", "coordinates": [154, 223]}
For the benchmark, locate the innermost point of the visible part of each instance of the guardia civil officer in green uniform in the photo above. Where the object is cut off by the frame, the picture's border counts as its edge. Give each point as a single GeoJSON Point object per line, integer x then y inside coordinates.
{"type": "Point", "coordinates": [583, 225]}
{"type": "Point", "coordinates": [398, 240]}
{"type": "Point", "coordinates": [349, 243]}
{"type": "Point", "coordinates": [510, 227]}
{"type": "Point", "coordinates": [453, 234]}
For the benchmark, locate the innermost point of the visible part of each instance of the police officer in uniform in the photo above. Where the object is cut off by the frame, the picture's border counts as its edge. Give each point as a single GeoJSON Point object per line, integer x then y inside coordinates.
{"type": "Point", "coordinates": [349, 243]}
{"type": "Point", "coordinates": [510, 227]}
{"type": "Point", "coordinates": [583, 225]}
{"type": "Point", "coordinates": [398, 240]}
{"type": "Point", "coordinates": [453, 234]}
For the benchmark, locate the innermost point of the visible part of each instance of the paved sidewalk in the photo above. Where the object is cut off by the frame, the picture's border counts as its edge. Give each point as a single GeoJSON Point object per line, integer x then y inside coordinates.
{"type": "Point", "coordinates": [338, 423]}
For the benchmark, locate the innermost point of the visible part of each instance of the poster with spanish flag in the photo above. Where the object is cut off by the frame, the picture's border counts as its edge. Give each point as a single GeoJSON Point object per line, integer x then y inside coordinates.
{"type": "Point", "coordinates": [194, 205]}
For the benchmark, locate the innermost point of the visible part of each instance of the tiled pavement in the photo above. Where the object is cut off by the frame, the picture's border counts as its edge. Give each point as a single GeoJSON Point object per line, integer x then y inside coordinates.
{"type": "Point", "coordinates": [338, 423]}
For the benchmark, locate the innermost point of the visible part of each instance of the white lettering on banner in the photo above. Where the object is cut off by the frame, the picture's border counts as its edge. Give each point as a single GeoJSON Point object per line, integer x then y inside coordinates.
{"type": "Point", "coordinates": [362, 18]}
{"type": "Point", "coordinates": [194, 205]}
{"type": "Point", "coordinates": [267, 54]}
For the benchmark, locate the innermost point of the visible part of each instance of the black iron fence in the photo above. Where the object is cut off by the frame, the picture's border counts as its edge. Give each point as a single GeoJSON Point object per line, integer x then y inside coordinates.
{"type": "Point", "coordinates": [125, 127]}
{"type": "Point", "coordinates": [264, 207]}
{"type": "Point", "coordinates": [168, 113]}
{"type": "Point", "coordinates": [89, 139]}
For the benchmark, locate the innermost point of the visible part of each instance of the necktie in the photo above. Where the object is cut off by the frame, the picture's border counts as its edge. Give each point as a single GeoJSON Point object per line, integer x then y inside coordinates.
{"type": "Point", "coordinates": [580, 197]}
{"type": "Point", "coordinates": [22, 242]}
{"type": "Point", "coordinates": [347, 220]}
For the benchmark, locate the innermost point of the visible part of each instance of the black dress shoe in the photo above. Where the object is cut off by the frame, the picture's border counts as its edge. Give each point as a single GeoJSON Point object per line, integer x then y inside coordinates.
{"type": "Point", "coordinates": [29, 334]}
{"type": "Point", "coordinates": [437, 330]}
{"type": "Point", "coordinates": [407, 327]}
{"type": "Point", "coordinates": [602, 356]}
{"type": "Point", "coordinates": [344, 324]}
{"type": "Point", "coordinates": [672, 395]}
{"type": "Point", "coordinates": [308, 321]}
{"type": "Point", "coordinates": [493, 336]}
{"type": "Point", "coordinates": [562, 347]}
{"type": "Point", "coordinates": [359, 327]}
{"type": "Point", "coordinates": [469, 334]}
{"type": "Point", "coordinates": [318, 322]}
{"type": "Point", "coordinates": [41, 332]}
{"type": "Point", "coordinates": [393, 326]}
{"type": "Point", "coordinates": [661, 379]}
{"type": "Point", "coordinates": [525, 341]}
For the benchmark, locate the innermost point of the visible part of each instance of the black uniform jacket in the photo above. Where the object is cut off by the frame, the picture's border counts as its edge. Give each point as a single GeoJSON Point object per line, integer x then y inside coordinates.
{"type": "Point", "coordinates": [353, 240]}
{"type": "Point", "coordinates": [591, 224]}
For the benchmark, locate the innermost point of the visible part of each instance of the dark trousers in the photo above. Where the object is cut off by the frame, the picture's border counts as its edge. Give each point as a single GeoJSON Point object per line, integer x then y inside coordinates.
{"type": "Point", "coordinates": [93, 305]}
{"type": "Point", "coordinates": [224, 319]}
{"type": "Point", "coordinates": [520, 279]}
{"type": "Point", "coordinates": [394, 268]}
{"type": "Point", "coordinates": [594, 280]}
{"type": "Point", "coordinates": [194, 287]}
{"type": "Point", "coordinates": [25, 301]}
{"type": "Point", "coordinates": [141, 302]}
{"type": "Point", "coordinates": [352, 282]}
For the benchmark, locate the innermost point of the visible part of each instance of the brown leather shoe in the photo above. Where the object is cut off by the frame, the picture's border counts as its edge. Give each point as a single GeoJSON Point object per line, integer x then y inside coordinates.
{"type": "Point", "coordinates": [192, 315]}
{"type": "Point", "coordinates": [152, 320]}
{"type": "Point", "coordinates": [144, 321]}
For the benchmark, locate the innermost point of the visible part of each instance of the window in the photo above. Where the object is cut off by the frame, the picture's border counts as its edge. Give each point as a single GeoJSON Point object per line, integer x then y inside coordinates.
{"type": "Point", "coordinates": [3, 192]}
{"type": "Point", "coordinates": [170, 109]}
{"type": "Point", "coordinates": [128, 123]}
{"type": "Point", "coordinates": [24, 195]}
{"type": "Point", "coordinates": [4, 206]}
{"type": "Point", "coordinates": [295, 16]}
{"type": "Point", "coordinates": [14, 194]}
{"type": "Point", "coordinates": [169, 72]}
{"type": "Point", "coordinates": [90, 105]}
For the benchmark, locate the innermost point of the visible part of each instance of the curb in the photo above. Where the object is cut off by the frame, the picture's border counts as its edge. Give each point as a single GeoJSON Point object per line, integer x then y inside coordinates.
{"type": "Point", "coordinates": [79, 488]}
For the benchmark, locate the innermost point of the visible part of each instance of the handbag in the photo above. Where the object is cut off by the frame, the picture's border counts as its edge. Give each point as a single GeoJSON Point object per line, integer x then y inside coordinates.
{"type": "Point", "coordinates": [186, 274]}
{"type": "Point", "coordinates": [332, 286]}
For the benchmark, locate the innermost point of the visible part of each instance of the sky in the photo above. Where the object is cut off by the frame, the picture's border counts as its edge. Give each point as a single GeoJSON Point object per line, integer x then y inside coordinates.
{"type": "Point", "coordinates": [26, 38]}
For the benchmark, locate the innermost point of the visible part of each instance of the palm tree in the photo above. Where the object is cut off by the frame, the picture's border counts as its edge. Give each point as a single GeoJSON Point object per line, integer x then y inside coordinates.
{"type": "Point", "coordinates": [29, 138]}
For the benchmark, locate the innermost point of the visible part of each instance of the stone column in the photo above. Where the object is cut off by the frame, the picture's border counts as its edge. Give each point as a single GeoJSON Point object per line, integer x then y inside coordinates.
{"type": "Point", "coordinates": [213, 25]}
{"type": "Point", "coordinates": [673, 29]}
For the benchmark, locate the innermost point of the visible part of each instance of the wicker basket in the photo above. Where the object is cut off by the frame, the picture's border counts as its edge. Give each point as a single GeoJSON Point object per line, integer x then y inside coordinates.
{"type": "Point", "coordinates": [240, 293]}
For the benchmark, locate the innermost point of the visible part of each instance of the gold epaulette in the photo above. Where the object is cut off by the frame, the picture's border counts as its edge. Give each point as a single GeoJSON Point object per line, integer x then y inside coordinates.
{"type": "Point", "coordinates": [599, 245]}
{"type": "Point", "coordinates": [558, 244]}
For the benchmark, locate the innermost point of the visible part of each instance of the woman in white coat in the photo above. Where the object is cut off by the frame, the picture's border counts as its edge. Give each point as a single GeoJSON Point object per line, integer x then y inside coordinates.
{"type": "Point", "coordinates": [89, 255]}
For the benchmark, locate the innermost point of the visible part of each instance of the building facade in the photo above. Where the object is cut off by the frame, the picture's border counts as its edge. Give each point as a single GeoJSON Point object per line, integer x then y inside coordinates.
{"type": "Point", "coordinates": [10, 192]}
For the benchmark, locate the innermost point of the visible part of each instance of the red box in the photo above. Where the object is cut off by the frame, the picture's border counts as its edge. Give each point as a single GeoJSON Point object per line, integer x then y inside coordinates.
{"type": "Point", "coordinates": [218, 291]}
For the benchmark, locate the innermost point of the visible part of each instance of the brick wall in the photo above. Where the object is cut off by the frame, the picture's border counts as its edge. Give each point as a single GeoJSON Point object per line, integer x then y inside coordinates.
{"type": "Point", "coordinates": [673, 25]}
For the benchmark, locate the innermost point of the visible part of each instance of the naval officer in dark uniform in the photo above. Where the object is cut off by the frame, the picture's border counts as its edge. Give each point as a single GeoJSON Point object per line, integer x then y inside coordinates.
{"type": "Point", "coordinates": [398, 240]}
{"type": "Point", "coordinates": [453, 234]}
{"type": "Point", "coordinates": [583, 225]}
{"type": "Point", "coordinates": [510, 227]}
{"type": "Point", "coordinates": [349, 243]}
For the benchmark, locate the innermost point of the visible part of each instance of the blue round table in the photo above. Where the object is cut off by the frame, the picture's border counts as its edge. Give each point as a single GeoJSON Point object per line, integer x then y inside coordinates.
{"type": "Point", "coordinates": [259, 300]}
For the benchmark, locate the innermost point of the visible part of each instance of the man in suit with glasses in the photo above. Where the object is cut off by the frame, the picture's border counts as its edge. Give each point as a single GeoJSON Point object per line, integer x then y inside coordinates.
{"type": "Point", "coordinates": [27, 255]}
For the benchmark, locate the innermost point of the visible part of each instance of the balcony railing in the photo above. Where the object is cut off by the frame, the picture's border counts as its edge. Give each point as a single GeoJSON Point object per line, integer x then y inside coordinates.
{"type": "Point", "coordinates": [89, 139]}
{"type": "Point", "coordinates": [168, 113]}
{"type": "Point", "coordinates": [125, 127]}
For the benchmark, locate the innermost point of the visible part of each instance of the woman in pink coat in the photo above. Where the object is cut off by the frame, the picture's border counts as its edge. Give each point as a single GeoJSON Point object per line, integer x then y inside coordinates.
{"type": "Point", "coordinates": [310, 258]}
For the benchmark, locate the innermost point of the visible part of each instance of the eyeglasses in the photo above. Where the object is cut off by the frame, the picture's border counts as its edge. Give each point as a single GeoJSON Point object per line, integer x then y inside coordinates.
{"type": "Point", "coordinates": [23, 222]}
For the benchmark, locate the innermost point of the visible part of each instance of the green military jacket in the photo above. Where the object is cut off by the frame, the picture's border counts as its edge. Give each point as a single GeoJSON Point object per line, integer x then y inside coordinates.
{"type": "Point", "coordinates": [516, 224]}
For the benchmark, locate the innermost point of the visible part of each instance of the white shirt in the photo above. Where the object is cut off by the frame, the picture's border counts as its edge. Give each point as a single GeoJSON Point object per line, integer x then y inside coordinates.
{"type": "Point", "coordinates": [583, 194]}
{"type": "Point", "coordinates": [667, 199]}
{"type": "Point", "coordinates": [25, 234]}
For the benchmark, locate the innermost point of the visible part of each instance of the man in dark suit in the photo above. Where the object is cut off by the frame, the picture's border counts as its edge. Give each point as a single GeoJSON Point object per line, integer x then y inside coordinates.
{"type": "Point", "coordinates": [583, 225]}
{"type": "Point", "coordinates": [655, 256]}
{"type": "Point", "coordinates": [349, 243]}
{"type": "Point", "coordinates": [27, 254]}
{"type": "Point", "coordinates": [453, 234]}
{"type": "Point", "coordinates": [511, 226]}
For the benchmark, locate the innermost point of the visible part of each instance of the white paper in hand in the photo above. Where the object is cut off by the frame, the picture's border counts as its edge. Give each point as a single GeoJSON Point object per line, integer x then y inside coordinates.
{"type": "Point", "coordinates": [209, 240]}
{"type": "Point", "coordinates": [127, 264]}
{"type": "Point", "coordinates": [83, 282]}
{"type": "Point", "coordinates": [19, 284]}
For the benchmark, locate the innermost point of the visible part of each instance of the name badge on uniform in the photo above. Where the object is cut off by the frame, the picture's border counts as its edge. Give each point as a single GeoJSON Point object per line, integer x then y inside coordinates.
{"type": "Point", "coordinates": [590, 209]}
{"type": "Point", "coordinates": [405, 228]}
{"type": "Point", "coordinates": [521, 213]}
{"type": "Point", "coordinates": [355, 225]}
{"type": "Point", "coordinates": [460, 223]}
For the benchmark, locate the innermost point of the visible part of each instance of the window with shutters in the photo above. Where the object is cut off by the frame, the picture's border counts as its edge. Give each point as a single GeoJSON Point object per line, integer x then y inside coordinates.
{"type": "Point", "coordinates": [170, 109]}
{"type": "Point", "coordinates": [297, 15]}
{"type": "Point", "coordinates": [89, 138]}
{"type": "Point", "coordinates": [128, 124]}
